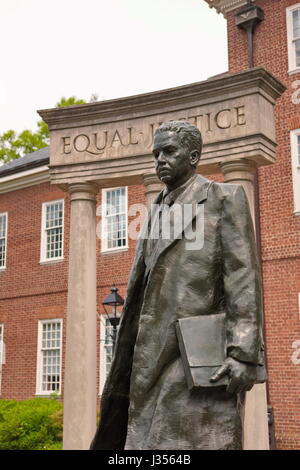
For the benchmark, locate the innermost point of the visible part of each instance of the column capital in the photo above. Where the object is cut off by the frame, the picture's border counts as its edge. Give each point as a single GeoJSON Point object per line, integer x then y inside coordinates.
{"type": "Point", "coordinates": [83, 191]}
{"type": "Point", "coordinates": [242, 171]}
{"type": "Point", "coordinates": [150, 177]}
{"type": "Point", "coordinates": [153, 186]}
{"type": "Point", "coordinates": [238, 170]}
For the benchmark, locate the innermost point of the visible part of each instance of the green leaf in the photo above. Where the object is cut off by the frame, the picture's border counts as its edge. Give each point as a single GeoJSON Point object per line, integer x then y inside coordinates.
{"type": "Point", "coordinates": [13, 145]}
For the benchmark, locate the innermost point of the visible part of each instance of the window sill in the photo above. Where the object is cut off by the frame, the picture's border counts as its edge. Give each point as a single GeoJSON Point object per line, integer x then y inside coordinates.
{"type": "Point", "coordinates": [113, 252]}
{"type": "Point", "coordinates": [48, 395]}
{"type": "Point", "coordinates": [52, 261]}
{"type": "Point", "coordinates": [296, 213]}
{"type": "Point", "coordinates": [294, 71]}
{"type": "Point", "coordinates": [2, 270]}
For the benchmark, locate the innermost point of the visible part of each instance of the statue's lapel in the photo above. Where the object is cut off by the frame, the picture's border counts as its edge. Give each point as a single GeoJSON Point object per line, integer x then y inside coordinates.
{"type": "Point", "coordinates": [138, 264]}
{"type": "Point", "coordinates": [188, 204]}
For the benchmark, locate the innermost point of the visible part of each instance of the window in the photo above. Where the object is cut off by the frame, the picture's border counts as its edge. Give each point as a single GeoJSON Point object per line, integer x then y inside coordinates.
{"type": "Point", "coordinates": [49, 357]}
{"type": "Point", "coordinates": [3, 240]}
{"type": "Point", "coordinates": [106, 349]}
{"type": "Point", "coordinates": [293, 31]}
{"type": "Point", "coordinates": [295, 150]}
{"type": "Point", "coordinates": [114, 217]}
{"type": "Point", "coordinates": [52, 231]}
{"type": "Point", "coordinates": [2, 353]}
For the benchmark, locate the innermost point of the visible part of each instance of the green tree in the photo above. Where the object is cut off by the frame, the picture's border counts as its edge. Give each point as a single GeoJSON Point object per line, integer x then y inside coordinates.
{"type": "Point", "coordinates": [13, 145]}
{"type": "Point", "coordinates": [35, 424]}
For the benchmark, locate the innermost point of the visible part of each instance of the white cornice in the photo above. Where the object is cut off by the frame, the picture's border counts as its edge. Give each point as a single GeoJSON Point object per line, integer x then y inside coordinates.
{"type": "Point", "coordinates": [224, 6]}
{"type": "Point", "coordinates": [23, 179]}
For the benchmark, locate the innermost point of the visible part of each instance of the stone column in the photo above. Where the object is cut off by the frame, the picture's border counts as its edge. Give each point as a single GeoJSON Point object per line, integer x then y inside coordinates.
{"type": "Point", "coordinates": [153, 186]}
{"type": "Point", "coordinates": [242, 172]}
{"type": "Point", "coordinates": [256, 432]}
{"type": "Point", "coordinates": [80, 362]}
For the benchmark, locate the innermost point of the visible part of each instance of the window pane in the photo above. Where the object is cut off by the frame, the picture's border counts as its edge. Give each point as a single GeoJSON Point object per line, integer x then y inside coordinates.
{"type": "Point", "coordinates": [2, 225]}
{"type": "Point", "coordinates": [297, 52]}
{"type": "Point", "coordinates": [296, 23]}
{"type": "Point", "coordinates": [108, 345]}
{"type": "Point", "coordinates": [2, 252]}
{"type": "Point", "coordinates": [53, 230]}
{"type": "Point", "coordinates": [54, 215]}
{"type": "Point", "coordinates": [50, 360]}
{"type": "Point", "coordinates": [54, 243]}
{"type": "Point", "coordinates": [116, 218]}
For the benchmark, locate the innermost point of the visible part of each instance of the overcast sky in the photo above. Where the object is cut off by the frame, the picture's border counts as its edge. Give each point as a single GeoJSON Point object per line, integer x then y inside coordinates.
{"type": "Point", "coordinates": [112, 48]}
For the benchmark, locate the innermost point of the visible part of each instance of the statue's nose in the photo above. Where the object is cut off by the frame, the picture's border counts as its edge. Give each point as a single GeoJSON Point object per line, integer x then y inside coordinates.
{"type": "Point", "coordinates": [161, 158]}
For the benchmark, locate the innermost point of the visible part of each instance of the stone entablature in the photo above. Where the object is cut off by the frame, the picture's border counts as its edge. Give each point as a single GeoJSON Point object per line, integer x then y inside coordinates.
{"type": "Point", "coordinates": [110, 142]}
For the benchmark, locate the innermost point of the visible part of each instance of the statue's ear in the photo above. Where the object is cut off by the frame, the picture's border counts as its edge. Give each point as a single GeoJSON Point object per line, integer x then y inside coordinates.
{"type": "Point", "coordinates": [194, 157]}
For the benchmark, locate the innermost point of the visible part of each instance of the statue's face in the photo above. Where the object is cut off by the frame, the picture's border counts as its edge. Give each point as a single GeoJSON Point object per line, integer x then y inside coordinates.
{"type": "Point", "coordinates": [172, 159]}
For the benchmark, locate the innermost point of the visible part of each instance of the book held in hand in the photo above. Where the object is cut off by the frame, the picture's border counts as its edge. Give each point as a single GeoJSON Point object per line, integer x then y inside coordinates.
{"type": "Point", "coordinates": [202, 344]}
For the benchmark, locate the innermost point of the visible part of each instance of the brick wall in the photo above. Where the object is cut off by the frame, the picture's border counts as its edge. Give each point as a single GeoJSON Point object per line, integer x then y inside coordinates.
{"type": "Point", "coordinates": [30, 291]}
{"type": "Point", "coordinates": [280, 229]}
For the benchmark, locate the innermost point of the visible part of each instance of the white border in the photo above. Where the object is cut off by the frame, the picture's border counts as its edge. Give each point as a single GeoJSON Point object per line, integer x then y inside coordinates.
{"type": "Point", "coordinates": [2, 268]}
{"type": "Point", "coordinates": [24, 179]}
{"type": "Point", "coordinates": [104, 248]}
{"type": "Point", "coordinates": [39, 365]}
{"type": "Point", "coordinates": [43, 259]}
{"type": "Point", "coordinates": [295, 170]}
{"type": "Point", "coordinates": [289, 27]}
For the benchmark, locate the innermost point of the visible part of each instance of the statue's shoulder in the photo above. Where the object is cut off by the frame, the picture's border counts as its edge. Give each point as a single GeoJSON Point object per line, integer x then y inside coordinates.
{"type": "Point", "coordinates": [225, 190]}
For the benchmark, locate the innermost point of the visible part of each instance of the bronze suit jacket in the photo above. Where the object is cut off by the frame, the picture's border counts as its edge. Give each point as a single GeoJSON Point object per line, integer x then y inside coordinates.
{"type": "Point", "coordinates": [145, 402]}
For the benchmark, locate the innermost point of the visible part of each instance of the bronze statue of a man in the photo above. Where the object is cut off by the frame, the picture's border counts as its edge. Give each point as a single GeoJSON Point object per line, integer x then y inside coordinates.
{"type": "Point", "coordinates": [146, 403]}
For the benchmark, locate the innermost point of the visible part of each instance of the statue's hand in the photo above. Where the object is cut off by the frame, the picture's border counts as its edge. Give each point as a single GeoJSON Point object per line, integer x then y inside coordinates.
{"type": "Point", "coordinates": [242, 376]}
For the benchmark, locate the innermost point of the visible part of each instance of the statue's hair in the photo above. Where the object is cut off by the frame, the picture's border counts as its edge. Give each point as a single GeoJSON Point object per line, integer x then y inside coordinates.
{"type": "Point", "coordinates": [190, 136]}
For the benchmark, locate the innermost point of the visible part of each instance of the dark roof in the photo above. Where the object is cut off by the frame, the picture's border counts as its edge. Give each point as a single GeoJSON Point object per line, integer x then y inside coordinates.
{"type": "Point", "coordinates": [219, 75]}
{"type": "Point", "coordinates": [32, 160]}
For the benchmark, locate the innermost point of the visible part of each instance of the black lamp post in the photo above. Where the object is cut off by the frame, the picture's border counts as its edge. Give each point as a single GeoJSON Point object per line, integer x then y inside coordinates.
{"type": "Point", "coordinates": [113, 300]}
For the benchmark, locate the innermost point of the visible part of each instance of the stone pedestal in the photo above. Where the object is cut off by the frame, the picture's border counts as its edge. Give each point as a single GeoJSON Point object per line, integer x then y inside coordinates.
{"type": "Point", "coordinates": [80, 362]}
{"type": "Point", "coordinates": [256, 432]}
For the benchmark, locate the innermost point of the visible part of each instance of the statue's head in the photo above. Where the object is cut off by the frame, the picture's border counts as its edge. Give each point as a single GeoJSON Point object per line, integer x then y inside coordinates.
{"type": "Point", "coordinates": [177, 149]}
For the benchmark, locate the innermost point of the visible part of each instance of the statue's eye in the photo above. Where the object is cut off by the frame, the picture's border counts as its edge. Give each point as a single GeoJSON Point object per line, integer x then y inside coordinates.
{"type": "Point", "coordinates": [169, 150]}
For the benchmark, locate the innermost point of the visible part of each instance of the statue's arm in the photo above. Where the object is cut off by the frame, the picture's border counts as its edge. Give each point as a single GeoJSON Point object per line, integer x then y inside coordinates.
{"type": "Point", "coordinates": [242, 291]}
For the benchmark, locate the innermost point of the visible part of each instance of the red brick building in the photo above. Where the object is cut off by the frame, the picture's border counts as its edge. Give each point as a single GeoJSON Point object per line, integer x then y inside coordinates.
{"type": "Point", "coordinates": [276, 46]}
{"type": "Point", "coordinates": [34, 286]}
{"type": "Point", "coordinates": [34, 237]}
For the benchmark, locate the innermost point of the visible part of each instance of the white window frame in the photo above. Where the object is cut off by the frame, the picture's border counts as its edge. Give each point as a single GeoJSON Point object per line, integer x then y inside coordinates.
{"type": "Point", "coordinates": [104, 248]}
{"type": "Point", "coordinates": [2, 353]}
{"type": "Point", "coordinates": [102, 369]}
{"type": "Point", "coordinates": [290, 38]}
{"type": "Point", "coordinates": [295, 169]}
{"type": "Point", "coordinates": [43, 253]}
{"type": "Point", "coordinates": [39, 368]}
{"type": "Point", "coordinates": [5, 238]}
